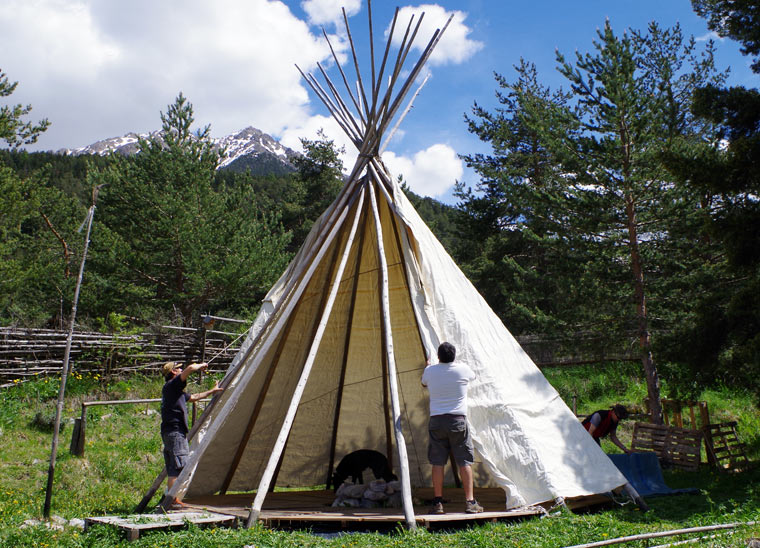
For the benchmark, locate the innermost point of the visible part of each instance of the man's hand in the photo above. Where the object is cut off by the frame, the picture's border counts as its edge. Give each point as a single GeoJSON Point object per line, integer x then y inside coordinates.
{"type": "Point", "coordinates": [198, 366]}
{"type": "Point", "coordinates": [192, 368]}
{"type": "Point", "coordinates": [210, 392]}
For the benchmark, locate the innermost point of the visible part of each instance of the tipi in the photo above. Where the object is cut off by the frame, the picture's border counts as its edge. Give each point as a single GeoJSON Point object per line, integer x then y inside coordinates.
{"type": "Point", "coordinates": [333, 362]}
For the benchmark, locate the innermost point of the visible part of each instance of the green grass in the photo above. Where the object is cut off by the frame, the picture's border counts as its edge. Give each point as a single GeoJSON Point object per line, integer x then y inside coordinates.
{"type": "Point", "coordinates": [123, 455]}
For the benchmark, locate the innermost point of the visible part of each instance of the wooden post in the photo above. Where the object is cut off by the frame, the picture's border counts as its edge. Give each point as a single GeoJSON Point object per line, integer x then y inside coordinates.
{"type": "Point", "coordinates": [66, 364]}
{"type": "Point", "coordinates": [403, 459]}
{"type": "Point", "coordinates": [279, 445]}
{"type": "Point", "coordinates": [677, 418]}
{"type": "Point", "coordinates": [78, 436]}
{"type": "Point", "coordinates": [705, 418]}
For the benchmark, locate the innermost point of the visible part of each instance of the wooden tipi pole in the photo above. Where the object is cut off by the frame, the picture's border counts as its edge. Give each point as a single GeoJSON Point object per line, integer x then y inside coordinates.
{"type": "Point", "coordinates": [403, 459]}
{"type": "Point", "coordinates": [287, 423]}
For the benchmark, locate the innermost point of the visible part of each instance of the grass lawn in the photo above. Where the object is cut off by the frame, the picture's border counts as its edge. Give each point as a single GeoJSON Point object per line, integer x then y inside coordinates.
{"type": "Point", "coordinates": [123, 455]}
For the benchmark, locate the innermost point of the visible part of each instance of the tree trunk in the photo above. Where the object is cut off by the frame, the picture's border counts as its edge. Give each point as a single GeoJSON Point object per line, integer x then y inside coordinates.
{"type": "Point", "coordinates": [653, 379]}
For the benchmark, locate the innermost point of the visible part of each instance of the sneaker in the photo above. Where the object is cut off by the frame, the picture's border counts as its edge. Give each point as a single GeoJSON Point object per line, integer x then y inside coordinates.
{"type": "Point", "coordinates": [472, 507]}
{"type": "Point", "coordinates": [437, 507]}
{"type": "Point", "coordinates": [177, 506]}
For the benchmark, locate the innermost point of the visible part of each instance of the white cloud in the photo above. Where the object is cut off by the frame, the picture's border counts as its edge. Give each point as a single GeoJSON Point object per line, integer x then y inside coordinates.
{"type": "Point", "coordinates": [712, 35]}
{"type": "Point", "coordinates": [90, 66]}
{"type": "Point", "coordinates": [430, 172]}
{"type": "Point", "coordinates": [323, 12]}
{"type": "Point", "coordinates": [60, 37]}
{"type": "Point", "coordinates": [102, 69]}
{"type": "Point", "coordinates": [454, 47]}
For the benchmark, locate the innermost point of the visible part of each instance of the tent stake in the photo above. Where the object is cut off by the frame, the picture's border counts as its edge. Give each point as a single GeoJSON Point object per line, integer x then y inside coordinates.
{"type": "Point", "coordinates": [636, 497]}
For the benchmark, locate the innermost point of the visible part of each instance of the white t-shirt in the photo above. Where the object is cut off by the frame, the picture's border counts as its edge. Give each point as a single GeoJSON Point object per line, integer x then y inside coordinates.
{"type": "Point", "coordinates": [447, 384]}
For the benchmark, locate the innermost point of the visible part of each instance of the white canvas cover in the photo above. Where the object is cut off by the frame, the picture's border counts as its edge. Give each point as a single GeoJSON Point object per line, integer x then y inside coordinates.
{"type": "Point", "coordinates": [527, 440]}
{"type": "Point", "coordinates": [333, 362]}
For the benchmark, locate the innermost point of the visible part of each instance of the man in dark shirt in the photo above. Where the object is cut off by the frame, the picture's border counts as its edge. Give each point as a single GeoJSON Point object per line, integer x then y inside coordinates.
{"type": "Point", "coordinates": [174, 416]}
{"type": "Point", "coordinates": [605, 422]}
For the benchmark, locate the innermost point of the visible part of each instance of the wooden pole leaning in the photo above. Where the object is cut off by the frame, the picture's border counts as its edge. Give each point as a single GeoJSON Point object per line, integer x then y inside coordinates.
{"type": "Point", "coordinates": [279, 445]}
{"type": "Point", "coordinates": [66, 363]}
{"type": "Point", "coordinates": [361, 93]}
{"type": "Point", "coordinates": [403, 459]}
{"type": "Point", "coordinates": [345, 80]}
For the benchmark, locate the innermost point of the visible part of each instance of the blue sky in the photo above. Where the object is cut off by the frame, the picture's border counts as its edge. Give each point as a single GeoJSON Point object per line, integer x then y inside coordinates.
{"type": "Point", "coordinates": [102, 69]}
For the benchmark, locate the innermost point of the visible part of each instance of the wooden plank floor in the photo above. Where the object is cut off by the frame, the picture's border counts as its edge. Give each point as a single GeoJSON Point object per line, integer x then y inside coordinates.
{"type": "Point", "coordinates": [291, 508]}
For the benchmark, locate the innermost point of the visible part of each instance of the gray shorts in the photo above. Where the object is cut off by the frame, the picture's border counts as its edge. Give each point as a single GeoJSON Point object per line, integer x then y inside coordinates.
{"type": "Point", "coordinates": [176, 451]}
{"type": "Point", "coordinates": [449, 433]}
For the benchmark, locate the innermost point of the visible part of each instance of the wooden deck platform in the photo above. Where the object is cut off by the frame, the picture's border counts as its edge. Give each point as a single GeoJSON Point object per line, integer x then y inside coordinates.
{"type": "Point", "coordinates": [286, 509]}
{"type": "Point", "coordinates": [311, 509]}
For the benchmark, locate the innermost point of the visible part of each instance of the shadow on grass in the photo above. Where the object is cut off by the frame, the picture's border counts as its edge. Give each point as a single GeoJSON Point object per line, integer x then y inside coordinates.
{"type": "Point", "coordinates": [721, 494]}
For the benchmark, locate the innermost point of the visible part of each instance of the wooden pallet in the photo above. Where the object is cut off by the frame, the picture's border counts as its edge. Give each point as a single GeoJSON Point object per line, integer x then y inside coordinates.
{"type": "Point", "coordinates": [677, 447]}
{"type": "Point", "coordinates": [133, 526]}
{"type": "Point", "coordinates": [724, 448]}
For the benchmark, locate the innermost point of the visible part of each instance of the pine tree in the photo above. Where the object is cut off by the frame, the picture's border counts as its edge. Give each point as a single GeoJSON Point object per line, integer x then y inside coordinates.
{"type": "Point", "coordinates": [580, 174]}
{"type": "Point", "coordinates": [170, 240]}
{"type": "Point", "coordinates": [720, 341]}
{"type": "Point", "coordinates": [13, 130]}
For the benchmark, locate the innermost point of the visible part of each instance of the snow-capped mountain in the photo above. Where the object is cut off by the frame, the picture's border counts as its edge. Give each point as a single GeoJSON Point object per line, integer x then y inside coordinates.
{"type": "Point", "coordinates": [249, 148]}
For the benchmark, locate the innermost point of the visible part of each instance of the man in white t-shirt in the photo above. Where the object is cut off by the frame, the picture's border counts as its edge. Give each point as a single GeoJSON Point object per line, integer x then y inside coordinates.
{"type": "Point", "coordinates": [447, 383]}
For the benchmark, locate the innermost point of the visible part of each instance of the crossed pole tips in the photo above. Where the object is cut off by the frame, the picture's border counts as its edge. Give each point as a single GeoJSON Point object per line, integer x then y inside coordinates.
{"type": "Point", "coordinates": [373, 112]}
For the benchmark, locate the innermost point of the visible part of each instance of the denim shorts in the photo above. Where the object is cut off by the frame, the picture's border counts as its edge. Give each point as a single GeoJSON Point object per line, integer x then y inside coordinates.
{"type": "Point", "coordinates": [176, 451]}
{"type": "Point", "coordinates": [449, 433]}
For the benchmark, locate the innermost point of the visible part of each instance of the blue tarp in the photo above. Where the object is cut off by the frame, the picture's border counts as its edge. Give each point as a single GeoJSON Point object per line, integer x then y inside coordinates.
{"type": "Point", "coordinates": [643, 472]}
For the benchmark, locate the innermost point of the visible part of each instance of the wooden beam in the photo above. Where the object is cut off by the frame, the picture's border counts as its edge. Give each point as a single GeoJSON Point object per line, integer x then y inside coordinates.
{"type": "Point", "coordinates": [265, 389]}
{"type": "Point", "coordinates": [259, 404]}
{"type": "Point", "coordinates": [315, 326]}
{"type": "Point", "coordinates": [362, 94]}
{"type": "Point", "coordinates": [345, 80]}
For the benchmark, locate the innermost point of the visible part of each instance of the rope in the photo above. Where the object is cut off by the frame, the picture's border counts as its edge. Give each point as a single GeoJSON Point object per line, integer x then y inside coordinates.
{"type": "Point", "coordinates": [223, 350]}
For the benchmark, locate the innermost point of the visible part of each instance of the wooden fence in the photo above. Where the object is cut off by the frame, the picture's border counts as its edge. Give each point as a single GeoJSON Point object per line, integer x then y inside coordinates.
{"type": "Point", "coordinates": [27, 353]}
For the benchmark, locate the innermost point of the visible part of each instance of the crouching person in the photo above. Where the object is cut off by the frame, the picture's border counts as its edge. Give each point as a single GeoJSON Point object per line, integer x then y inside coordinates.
{"type": "Point", "coordinates": [447, 383]}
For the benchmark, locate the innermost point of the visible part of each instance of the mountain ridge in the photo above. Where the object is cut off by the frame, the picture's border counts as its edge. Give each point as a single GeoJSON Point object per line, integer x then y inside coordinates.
{"type": "Point", "coordinates": [247, 149]}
